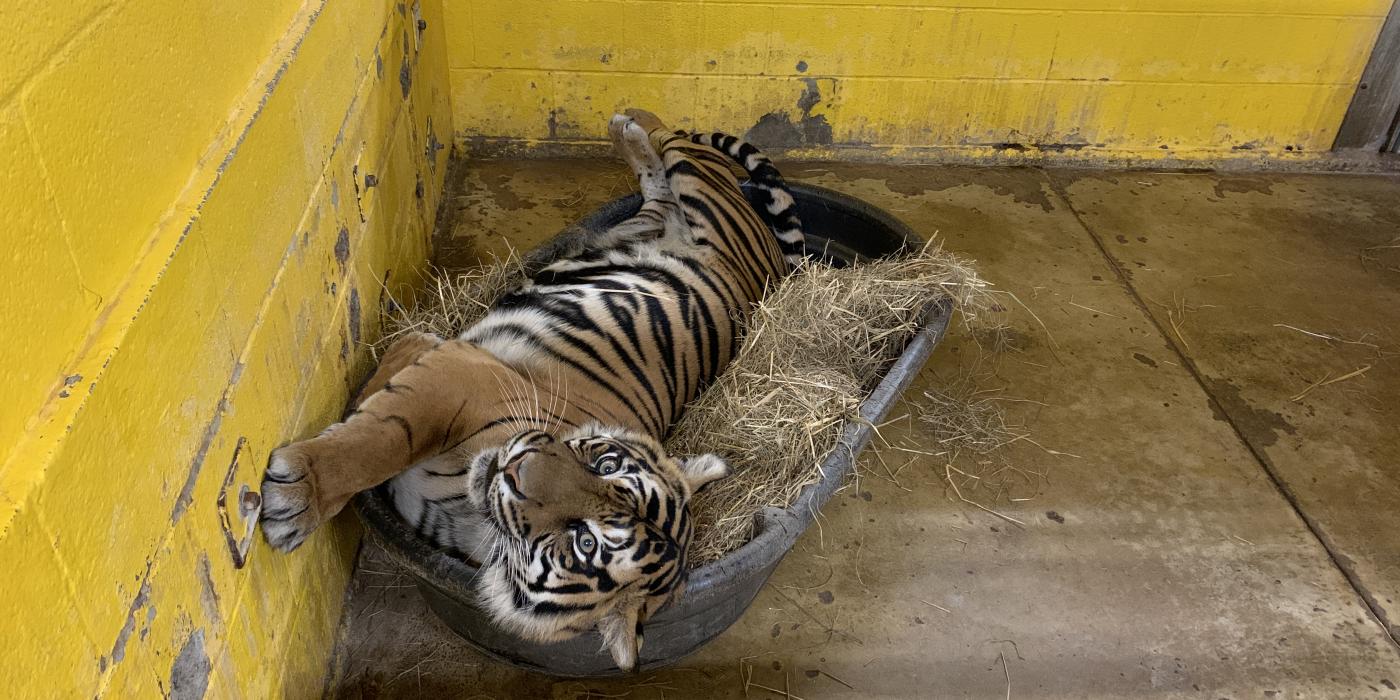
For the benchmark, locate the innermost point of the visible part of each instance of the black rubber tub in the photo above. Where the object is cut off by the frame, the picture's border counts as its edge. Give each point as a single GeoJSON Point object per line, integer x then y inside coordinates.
{"type": "Point", "coordinates": [842, 230]}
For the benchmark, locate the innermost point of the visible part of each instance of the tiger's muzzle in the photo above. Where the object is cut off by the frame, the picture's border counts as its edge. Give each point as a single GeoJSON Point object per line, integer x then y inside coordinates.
{"type": "Point", "coordinates": [541, 482]}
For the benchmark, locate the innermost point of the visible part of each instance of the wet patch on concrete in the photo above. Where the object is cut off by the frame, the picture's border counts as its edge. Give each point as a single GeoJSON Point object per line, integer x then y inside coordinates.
{"type": "Point", "coordinates": [1022, 190]}
{"type": "Point", "coordinates": [1243, 185]}
{"type": "Point", "coordinates": [1261, 427]}
{"type": "Point", "coordinates": [503, 196]}
{"type": "Point", "coordinates": [1364, 230]}
{"type": "Point", "coordinates": [1022, 185]}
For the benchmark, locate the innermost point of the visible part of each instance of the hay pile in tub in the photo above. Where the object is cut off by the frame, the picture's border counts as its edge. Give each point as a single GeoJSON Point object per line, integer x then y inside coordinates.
{"type": "Point", "coordinates": [814, 349]}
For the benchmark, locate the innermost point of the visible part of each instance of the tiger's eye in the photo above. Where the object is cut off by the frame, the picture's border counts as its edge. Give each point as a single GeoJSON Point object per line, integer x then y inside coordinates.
{"type": "Point", "coordinates": [607, 465]}
{"type": "Point", "coordinates": [586, 543]}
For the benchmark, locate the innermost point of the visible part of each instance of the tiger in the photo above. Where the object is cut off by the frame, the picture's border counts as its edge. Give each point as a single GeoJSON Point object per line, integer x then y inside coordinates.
{"type": "Point", "coordinates": [531, 444]}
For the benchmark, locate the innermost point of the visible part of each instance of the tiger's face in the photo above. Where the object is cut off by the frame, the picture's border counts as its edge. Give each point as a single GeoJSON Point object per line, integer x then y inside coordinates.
{"type": "Point", "coordinates": [592, 531]}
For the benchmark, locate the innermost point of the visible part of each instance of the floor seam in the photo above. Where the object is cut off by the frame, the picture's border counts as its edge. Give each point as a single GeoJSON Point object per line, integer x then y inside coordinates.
{"type": "Point", "coordinates": [1340, 561]}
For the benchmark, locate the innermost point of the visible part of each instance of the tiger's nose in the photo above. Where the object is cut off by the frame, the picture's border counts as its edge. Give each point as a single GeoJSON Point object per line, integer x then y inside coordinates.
{"type": "Point", "coordinates": [512, 469]}
{"type": "Point", "coordinates": [528, 471]}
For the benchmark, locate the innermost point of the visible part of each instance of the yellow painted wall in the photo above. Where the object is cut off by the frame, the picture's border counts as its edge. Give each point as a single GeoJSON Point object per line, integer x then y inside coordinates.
{"type": "Point", "coordinates": [1123, 79]}
{"type": "Point", "coordinates": [207, 205]}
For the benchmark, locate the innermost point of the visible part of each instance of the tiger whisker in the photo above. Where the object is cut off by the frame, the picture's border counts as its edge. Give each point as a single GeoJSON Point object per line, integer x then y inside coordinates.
{"type": "Point", "coordinates": [531, 396]}
{"type": "Point", "coordinates": [554, 415]}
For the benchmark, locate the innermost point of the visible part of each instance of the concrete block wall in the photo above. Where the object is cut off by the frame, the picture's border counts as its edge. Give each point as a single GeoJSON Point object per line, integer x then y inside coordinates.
{"type": "Point", "coordinates": [931, 79]}
{"type": "Point", "coordinates": [210, 204]}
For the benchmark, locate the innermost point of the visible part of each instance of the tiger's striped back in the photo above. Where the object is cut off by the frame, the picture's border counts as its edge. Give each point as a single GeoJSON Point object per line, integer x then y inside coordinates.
{"type": "Point", "coordinates": [641, 325]}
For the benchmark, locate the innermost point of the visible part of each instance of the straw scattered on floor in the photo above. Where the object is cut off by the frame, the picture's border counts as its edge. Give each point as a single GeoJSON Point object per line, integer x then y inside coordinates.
{"type": "Point", "coordinates": [814, 349]}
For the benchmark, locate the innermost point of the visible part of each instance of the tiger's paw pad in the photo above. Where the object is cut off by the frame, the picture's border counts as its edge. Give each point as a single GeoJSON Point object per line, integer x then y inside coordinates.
{"type": "Point", "coordinates": [290, 512]}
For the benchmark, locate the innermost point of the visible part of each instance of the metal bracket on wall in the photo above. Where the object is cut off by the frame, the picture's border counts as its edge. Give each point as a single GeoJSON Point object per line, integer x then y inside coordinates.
{"type": "Point", "coordinates": [239, 520]}
{"type": "Point", "coordinates": [366, 184]}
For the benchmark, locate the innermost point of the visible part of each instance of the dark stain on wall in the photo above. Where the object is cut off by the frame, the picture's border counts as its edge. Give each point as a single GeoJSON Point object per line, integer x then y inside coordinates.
{"type": "Point", "coordinates": [189, 675]}
{"type": "Point", "coordinates": [342, 247]}
{"type": "Point", "coordinates": [208, 595]}
{"type": "Point", "coordinates": [353, 315]}
{"type": "Point", "coordinates": [777, 129]}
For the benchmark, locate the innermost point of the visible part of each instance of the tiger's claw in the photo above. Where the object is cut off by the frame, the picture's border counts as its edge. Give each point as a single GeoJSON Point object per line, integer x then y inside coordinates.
{"type": "Point", "coordinates": [290, 509]}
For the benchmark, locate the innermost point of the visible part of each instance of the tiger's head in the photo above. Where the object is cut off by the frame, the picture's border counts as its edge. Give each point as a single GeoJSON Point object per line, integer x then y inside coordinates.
{"type": "Point", "coordinates": [593, 530]}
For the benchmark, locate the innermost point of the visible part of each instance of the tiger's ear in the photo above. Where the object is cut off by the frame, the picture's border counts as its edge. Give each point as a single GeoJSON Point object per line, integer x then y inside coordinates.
{"type": "Point", "coordinates": [622, 636]}
{"type": "Point", "coordinates": [703, 469]}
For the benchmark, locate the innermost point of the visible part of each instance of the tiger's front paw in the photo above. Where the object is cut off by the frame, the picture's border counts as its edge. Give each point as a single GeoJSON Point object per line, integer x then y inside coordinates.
{"type": "Point", "coordinates": [290, 505]}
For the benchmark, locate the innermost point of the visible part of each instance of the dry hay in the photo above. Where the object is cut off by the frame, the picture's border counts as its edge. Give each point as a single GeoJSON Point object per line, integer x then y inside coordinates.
{"type": "Point", "coordinates": [814, 349]}
{"type": "Point", "coordinates": [454, 300]}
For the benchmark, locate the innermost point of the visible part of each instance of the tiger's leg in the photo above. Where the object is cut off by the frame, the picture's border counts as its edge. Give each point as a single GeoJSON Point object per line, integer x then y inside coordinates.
{"type": "Point", "coordinates": [443, 392]}
{"type": "Point", "coordinates": [652, 221]}
{"type": "Point", "coordinates": [634, 145]}
{"type": "Point", "coordinates": [401, 353]}
{"type": "Point", "coordinates": [661, 206]}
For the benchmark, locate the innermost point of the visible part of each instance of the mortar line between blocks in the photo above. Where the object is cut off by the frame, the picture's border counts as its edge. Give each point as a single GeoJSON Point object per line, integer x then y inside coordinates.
{"type": "Point", "coordinates": [1340, 561]}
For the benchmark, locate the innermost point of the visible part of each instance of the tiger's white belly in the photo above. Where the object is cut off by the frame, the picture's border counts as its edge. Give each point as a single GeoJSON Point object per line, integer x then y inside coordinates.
{"type": "Point", "coordinates": [432, 497]}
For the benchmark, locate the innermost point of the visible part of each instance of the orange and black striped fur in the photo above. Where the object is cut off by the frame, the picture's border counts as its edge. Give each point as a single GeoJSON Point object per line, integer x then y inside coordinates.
{"type": "Point", "coordinates": [531, 443]}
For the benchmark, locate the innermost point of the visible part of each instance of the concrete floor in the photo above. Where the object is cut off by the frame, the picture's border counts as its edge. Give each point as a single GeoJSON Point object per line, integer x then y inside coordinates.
{"type": "Point", "coordinates": [1223, 530]}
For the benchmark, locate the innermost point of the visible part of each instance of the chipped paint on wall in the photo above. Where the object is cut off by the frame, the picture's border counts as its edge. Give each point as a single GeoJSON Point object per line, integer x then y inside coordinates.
{"type": "Point", "coordinates": [957, 79]}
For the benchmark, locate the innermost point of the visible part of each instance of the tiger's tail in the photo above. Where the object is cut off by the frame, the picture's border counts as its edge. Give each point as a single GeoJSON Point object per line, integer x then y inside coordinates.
{"type": "Point", "coordinates": [779, 210]}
